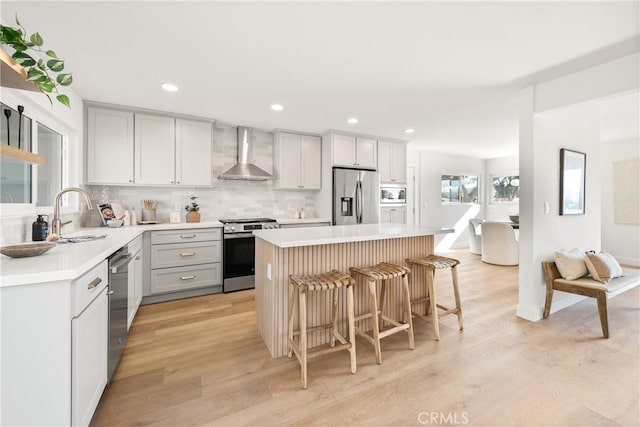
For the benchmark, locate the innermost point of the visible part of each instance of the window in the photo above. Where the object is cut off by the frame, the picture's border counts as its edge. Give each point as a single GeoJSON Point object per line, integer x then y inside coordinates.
{"type": "Point", "coordinates": [50, 144]}
{"type": "Point", "coordinates": [505, 189]}
{"type": "Point", "coordinates": [15, 176]}
{"type": "Point", "coordinates": [459, 189]}
{"type": "Point", "coordinates": [23, 186]}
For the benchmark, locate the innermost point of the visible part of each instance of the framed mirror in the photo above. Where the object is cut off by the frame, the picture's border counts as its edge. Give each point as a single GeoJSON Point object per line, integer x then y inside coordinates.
{"type": "Point", "coordinates": [572, 182]}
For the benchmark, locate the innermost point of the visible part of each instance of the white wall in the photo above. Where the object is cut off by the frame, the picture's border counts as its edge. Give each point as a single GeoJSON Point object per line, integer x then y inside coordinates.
{"type": "Point", "coordinates": [549, 120]}
{"type": "Point", "coordinates": [500, 166]}
{"type": "Point", "coordinates": [621, 240]}
{"type": "Point", "coordinates": [432, 211]}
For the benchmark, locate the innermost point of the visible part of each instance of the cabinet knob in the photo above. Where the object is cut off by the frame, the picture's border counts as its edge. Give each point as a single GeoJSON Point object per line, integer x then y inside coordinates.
{"type": "Point", "coordinates": [130, 180]}
{"type": "Point", "coordinates": [177, 182]}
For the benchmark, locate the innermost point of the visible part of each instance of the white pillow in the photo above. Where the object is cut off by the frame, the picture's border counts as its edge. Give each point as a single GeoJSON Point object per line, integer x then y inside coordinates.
{"type": "Point", "coordinates": [571, 264]}
{"type": "Point", "coordinates": [602, 266]}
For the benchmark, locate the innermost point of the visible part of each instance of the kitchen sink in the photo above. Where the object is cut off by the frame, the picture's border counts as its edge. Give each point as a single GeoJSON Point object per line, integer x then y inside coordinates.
{"type": "Point", "coordinates": [81, 238]}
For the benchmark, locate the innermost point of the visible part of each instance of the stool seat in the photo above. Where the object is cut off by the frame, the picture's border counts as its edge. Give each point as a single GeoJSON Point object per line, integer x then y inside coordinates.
{"type": "Point", "coordinates": [322, 282]}
{"type": "Point", "coordinates": [433, 263]}
{"type": "Point", "coordinates": [382, 273]}
{"type": "Point", "coordinates": [331, 281]}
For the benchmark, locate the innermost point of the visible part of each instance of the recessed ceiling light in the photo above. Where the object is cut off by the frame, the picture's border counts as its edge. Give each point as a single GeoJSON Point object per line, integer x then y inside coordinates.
{"type": "Point", "coordinates": [352, 121]}
{"type": "Point", "coordinates": [409, 130]}
{"type": "Point", "coordinates": [277, 107]}
{"type": "Point", "coordinates": [169, 87]}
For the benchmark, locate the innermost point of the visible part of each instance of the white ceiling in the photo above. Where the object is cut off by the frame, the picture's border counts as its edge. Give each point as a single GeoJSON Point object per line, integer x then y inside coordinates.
{"type": "Point", "coordinates": [451, 70]}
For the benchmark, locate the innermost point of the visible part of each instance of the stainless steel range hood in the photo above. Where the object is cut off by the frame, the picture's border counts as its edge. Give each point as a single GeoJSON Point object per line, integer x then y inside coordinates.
{"type": "Point", "coordinates": [245, 169]}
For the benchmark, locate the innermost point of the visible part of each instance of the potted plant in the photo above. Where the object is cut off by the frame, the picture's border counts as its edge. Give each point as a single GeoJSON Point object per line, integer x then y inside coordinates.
{"type": "Point", "coordinates": [192, 210]}
{"type": "Point", "coordinates": [46, 74]}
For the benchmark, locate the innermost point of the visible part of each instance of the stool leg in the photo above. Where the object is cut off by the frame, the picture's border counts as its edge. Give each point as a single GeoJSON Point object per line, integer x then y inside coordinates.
{"type": "Point", "coordinates": [334, 317]}
{"type": "Point", "coordinates": [290, 333]}
{"type": "Point", "coordinates": [407, 310]}
{"type": "Point", "coordinates": [302, 313]}
{"type": "Point", "coordinates": [456, 293]}
{"type": "Point", "coordinates": [432, 300]}
{"type": "Point", "coordinates": [352, 327]}
{"type": "Point", "coordinates": [374, 320]}
{"type": "Point", "coordinates": [383, 297]}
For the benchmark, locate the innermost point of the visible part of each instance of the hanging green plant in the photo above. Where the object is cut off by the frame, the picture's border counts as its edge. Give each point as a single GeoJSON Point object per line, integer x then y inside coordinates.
{"type": "Point", "coordinates": [47, 74]}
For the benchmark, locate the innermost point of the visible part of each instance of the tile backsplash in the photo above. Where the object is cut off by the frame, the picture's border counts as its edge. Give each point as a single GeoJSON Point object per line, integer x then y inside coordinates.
{"type": "Point", "coordinates": [224, 199]}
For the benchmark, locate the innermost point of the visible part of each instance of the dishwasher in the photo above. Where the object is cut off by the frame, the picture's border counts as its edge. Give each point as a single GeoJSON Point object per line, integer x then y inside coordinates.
{"type": "Point", "coordinates": [118, 299]}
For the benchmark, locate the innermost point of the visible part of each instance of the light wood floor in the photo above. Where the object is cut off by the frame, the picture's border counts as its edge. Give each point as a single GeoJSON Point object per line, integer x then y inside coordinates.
{"type": "Point", "coordinates": [200, 361]}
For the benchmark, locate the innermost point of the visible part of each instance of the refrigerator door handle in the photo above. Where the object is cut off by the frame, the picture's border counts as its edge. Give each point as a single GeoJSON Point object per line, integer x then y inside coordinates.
{"type": "Point", "coordinates": [359, 202]}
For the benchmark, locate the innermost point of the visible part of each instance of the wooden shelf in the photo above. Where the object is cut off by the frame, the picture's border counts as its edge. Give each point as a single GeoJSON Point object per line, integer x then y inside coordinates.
{"type": "Point", "coordinates": [13, 75]}
{"type": "Point", "coordinates": [21, 155]}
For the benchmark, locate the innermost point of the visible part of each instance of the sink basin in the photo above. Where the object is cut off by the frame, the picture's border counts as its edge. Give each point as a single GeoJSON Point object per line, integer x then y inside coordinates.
{"type": "Point", "coordinates": [80, 239]}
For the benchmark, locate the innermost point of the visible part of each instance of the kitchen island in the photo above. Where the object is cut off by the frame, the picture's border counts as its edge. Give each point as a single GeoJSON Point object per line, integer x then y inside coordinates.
{"type": "Point", "coordinates": [280, 253]}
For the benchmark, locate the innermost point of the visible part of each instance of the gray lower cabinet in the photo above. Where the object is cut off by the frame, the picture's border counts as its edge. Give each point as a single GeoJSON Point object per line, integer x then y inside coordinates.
{"type": "Point", "coordinates": [186, 259]}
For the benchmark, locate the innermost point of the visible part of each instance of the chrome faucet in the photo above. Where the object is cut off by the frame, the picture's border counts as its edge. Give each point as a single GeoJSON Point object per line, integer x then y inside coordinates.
{"type": "Point", "coordinates": [56, 224]}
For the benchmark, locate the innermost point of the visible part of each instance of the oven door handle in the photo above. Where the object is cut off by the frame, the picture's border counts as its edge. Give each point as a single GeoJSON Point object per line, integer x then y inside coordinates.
{"type": "Point", "coordinates": [242, 235]}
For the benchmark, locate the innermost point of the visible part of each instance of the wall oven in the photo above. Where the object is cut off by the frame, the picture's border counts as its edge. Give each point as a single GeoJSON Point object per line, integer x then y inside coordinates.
{"type": "Point", "coordinates": [239, 248]}
{"type": "Point", "coordinates": [393, 195]}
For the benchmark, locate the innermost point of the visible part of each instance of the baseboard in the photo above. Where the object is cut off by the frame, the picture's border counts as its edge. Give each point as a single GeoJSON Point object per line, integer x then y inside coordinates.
{"type": "Point", "coordinates": [532, 314]}
{"type": "Point", "coordinates": [628, 261]}
{"type": "Point", "coordinates": [560, 300]}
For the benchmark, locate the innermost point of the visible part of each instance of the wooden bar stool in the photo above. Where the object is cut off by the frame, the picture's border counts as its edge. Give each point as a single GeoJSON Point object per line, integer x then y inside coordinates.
{"type": "Point", "coordinates": [382, 273]}
{"type": "Point", "coordinates": [331, 281]}
{"type": "Point", "coordinates": [433, 263]}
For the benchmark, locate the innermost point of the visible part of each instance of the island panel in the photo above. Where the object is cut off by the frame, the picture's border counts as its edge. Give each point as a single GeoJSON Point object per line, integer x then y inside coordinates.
{"type": "Point", "coordinates": [272, 290]}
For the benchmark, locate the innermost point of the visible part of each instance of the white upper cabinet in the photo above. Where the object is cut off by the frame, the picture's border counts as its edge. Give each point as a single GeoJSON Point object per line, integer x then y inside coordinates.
{"type": "Point", "coordinates": [131, 148]}
{"type": "Point", "coordinates": [193, 152]}
{"type": "Point", "coordinates": [109, 147]}
{"type": "Point", "coordinates": [354, 151]}
{"type": "Point", "coordinates": [392, 161]}
{"type": "Point", "coordinates": [297, 161]}
{"type": "Point", "coordinates": [155, 150]}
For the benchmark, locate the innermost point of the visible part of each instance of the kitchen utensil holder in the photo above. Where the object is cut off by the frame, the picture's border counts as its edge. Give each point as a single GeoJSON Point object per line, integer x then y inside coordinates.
{"type": "Point", "coordinates": [148, 214]}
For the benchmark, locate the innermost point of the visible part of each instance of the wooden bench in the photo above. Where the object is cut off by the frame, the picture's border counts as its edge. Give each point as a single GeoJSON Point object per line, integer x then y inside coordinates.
{"type": "Point", "coordinates": [588, 287]}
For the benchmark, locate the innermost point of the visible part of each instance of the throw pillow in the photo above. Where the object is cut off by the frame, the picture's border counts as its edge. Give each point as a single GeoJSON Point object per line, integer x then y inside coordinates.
{"type": "Point", "coordinates": [571, 264]}
{"type": "Point", "coordinates": [602, 266]}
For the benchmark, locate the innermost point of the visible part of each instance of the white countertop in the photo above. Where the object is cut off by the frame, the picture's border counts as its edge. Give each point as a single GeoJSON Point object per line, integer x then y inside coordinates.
{"type": "Point", "coordinates": [68, 261]}
{"type": "Point", "coordinates": [295, 237]}
{"type": "Point", "coordinates": [302, 220]}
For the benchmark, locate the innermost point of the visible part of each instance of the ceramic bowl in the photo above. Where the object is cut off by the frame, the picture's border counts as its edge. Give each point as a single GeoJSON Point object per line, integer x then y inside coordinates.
{"type": "Point", "coordinates": [515, 218]}
{"type": "Point", "coordinates": [26, 249]}
{"type": "Point", "coordinates": [115, 223]}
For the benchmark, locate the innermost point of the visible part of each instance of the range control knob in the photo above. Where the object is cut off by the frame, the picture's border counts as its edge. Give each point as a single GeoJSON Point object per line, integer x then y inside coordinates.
{"type": "Point", "coordinates": [233, 228]}
{"type": "Point", "coordinates": [226, 229]}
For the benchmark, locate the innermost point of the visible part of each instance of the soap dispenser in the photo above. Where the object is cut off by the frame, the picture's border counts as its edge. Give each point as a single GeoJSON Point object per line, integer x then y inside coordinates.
{"type": "Point", "coordinates": [39, 229]}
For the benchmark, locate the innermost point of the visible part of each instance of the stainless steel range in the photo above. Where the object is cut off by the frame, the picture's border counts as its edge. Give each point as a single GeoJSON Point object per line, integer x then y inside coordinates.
{"type": "Point", "coordinates": [240, 250]}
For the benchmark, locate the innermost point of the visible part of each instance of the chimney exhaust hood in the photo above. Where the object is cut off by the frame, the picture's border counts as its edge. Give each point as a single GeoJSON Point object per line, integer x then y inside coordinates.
{"type": "Point", "coordinates": [245, 169]}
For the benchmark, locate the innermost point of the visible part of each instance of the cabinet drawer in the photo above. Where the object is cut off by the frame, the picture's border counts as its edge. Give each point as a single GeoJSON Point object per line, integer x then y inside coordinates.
{"type": "Point", "coordinates": [180, 254]}
{"type": "Point", "coordinates": [88, 286]}
{"type": "Point", "coordinates": [135, 245]}
{"type": "Point", "coordinates": [183, 278]}
{"type": "Point", "coordinates": [185, 235]}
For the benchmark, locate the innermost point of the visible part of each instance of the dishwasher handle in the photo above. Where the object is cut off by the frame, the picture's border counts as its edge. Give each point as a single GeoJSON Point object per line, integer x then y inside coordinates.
{"type": "Point", "coordinates": [119, 262]}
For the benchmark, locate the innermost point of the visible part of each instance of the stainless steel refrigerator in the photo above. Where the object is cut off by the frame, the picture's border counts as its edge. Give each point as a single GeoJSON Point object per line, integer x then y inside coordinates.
{"type": "Point", "coordinates": [356, 196]}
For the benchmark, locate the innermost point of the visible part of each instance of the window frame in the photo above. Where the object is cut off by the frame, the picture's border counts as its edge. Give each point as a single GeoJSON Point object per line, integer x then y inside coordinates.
{"type": "Point", "coordinates": [40, 116]}
{"type": "Point", "coordinates": [461, 176]}
{"type": "Point", "coordinates": [490, 189]}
